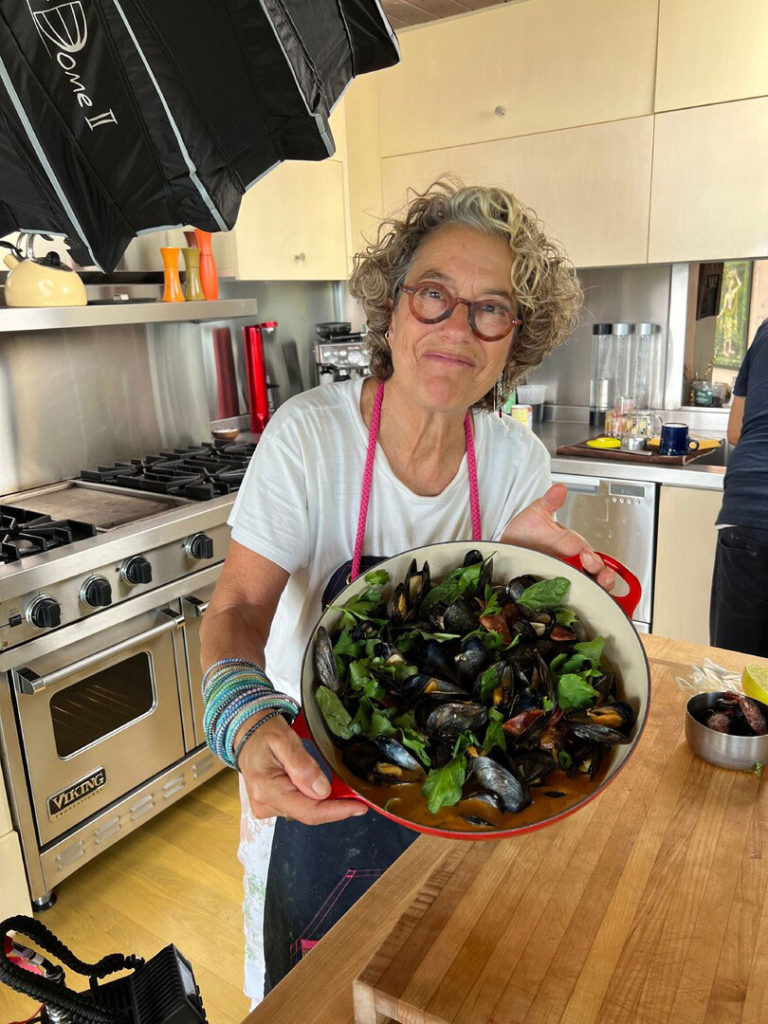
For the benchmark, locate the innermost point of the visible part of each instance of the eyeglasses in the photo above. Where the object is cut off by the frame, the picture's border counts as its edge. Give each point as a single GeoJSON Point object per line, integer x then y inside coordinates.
{"type": "Point", "coordinates": [431, 303]}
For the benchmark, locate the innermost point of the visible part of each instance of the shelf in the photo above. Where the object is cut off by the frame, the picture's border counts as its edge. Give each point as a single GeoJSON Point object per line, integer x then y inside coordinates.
{"type": "Point", "coordinates": [118, 313]}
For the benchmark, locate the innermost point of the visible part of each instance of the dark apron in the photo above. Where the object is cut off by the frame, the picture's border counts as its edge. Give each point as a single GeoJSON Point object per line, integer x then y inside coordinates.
{"type": "Point", "coordinates": [317, 872]}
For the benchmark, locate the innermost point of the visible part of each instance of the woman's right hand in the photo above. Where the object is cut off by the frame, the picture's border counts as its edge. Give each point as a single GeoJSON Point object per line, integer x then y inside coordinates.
{"type": "Point", "coordinates": [282, 779]}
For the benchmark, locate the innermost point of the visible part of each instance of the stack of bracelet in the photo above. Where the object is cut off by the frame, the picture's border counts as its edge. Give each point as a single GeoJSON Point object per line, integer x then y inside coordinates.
{"type": "Point", "coordinates": [235, 690]}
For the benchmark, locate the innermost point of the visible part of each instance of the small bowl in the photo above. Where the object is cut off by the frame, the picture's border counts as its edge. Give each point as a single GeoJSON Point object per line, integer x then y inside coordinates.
{"type": "Point", "coordinates": [226, 433]}
{"type": "Point", "coordinates": [633, 444]}
{"type": "Point", "coordinates": [721, 748]}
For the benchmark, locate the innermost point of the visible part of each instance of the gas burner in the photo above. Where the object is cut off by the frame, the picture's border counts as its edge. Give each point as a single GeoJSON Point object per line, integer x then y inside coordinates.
{"type": "Point", "coordinates": [199, 473]}
{"type": "Point", "coordinates": [24, 533]}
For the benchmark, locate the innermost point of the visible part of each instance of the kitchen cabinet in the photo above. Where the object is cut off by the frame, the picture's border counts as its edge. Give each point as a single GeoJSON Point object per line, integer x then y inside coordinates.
{"type": "Point", "coordinates": [589, 185]}
{"type": "Point", "coordinates": [14, 896]}
{"type": "Point", "coordinates": [291, 226]}
{"type": "Point", "coordinates": [708, 193]}
{"type": "Point", "coordinates": [710, 52]}
{"type": "Point", "coordinates": [518, 69]}
{"type": "Point", "coordinates": [685, 555]}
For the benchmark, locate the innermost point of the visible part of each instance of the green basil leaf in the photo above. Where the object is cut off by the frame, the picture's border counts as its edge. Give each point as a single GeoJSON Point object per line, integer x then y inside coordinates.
{"type": "Point", "coordinates": [494, 733]}
{"type": "Point", "coordinates": [336, 716]}
{"type": "Point", "coordinates": [346, 645]}
{"type": "Point", "coordinates": [564, 759]}
{"type": "Point", "coordinates": [592, 650]}
{"type": "Point", "coordinates": [416, 743]}
{"type": "Point", "coordinates": [574, 692]}
{"type": "Point", "coordinates": [565, 616]}
{"type": "Point", "coordinates": [380, 725]}
{"type": "Point", "coordinates": [492, 603]}
{"type": "Point", "coordinates": [488, 681]}
{"type": "Point", "coordinates": [442, 786]}
{"type": "Point", "coordinates": [378, 577]}
{"type": "Point", "coordinates": [545, 593]}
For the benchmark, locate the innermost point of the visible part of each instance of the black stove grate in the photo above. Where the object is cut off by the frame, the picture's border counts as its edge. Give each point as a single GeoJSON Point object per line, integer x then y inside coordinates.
{"type": "Point", "coordinates": [24, 533]}
{"type": "Point", "coordinates": [199, 473]}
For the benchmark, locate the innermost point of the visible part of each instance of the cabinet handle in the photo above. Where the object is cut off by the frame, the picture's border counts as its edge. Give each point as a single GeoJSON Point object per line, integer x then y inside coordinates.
{"type": "Point", "coordinates": [500, 111]}
{"type": "Point", "coordinates": [300, 257]}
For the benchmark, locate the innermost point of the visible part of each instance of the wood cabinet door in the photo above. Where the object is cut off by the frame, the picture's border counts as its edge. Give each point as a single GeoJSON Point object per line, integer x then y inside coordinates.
{"type": "Point", "coordinates": [710, 52]}
{"type": "Point", "coordinates": [14, 895]}
{"type": "Point", "coordinates": [517, 69]}
{"type": "Point", "coordinates": [709, 199]}
{"type": "Point", "coordinates": [685, 556]}
{"type": "Point", "coordinates": [291, 226]}
{"type": "Point", "coordinates": [589, 185]}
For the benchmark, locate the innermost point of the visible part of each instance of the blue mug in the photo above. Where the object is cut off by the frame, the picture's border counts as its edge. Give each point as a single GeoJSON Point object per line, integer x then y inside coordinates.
{"type": "Point", "coordinates": [675, 440]}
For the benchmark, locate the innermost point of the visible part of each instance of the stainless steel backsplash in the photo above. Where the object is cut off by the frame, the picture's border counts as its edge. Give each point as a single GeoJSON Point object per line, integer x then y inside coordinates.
{"type": "Point", "coordinates": [74, 399]}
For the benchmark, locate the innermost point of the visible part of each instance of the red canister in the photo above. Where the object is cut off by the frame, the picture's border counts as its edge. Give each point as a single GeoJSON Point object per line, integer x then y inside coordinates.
{"type": "Point", "coordinates": [256, 373]}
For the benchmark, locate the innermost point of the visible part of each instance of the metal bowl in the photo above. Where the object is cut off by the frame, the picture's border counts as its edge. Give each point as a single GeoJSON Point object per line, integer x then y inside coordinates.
{"type": "Point", "coordinates": [226, 433]}
{"type": "Point", "coordinates": [718, 747]}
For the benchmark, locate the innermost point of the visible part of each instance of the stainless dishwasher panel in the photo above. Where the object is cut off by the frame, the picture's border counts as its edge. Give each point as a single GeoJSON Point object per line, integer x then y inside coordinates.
{"type": "Point", "coordinates": [618, 517]}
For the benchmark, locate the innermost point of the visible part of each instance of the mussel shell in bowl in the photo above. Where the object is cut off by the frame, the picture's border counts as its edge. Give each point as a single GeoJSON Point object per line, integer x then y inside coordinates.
{"type": "Point", "coordinates": [722, 748]}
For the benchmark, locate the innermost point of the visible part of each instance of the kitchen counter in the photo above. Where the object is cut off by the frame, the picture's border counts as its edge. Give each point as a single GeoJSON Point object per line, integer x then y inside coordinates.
{"type": "Point", "coordinates": [649, 904]}
{"type": "Point", "coordinates": [706, 472]}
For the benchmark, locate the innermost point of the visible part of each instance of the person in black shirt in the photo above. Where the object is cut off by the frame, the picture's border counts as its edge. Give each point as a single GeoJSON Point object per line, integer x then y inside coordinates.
{"type": "Point", "coordinates": [738, 613]}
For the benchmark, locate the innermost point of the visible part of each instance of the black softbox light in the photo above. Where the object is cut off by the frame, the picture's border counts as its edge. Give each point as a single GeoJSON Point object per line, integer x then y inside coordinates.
{"type": "Point", "coordinates": [124, 116]}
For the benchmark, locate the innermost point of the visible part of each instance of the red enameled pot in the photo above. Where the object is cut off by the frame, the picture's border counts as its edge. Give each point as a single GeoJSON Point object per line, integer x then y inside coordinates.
{"type": "Point", "coordinates": [602, 614]}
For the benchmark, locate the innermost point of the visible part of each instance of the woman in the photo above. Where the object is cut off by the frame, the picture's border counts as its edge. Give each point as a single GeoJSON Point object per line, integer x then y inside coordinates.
{"type": "Point", "coordinates": [462, 297]}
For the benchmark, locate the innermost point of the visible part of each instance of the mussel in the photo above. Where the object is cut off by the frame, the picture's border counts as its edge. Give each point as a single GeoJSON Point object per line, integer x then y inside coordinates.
{"type": "Point", "coordinates": [449, 719]}
{"type": "Point", "coordinates": [325, 661]}
{"type": "Point", "coordinates": [512, 794]}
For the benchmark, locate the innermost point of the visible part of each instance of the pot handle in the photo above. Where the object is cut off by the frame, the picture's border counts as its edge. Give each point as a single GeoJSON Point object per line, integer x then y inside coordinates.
{"type": "Point", "coordinates": [339, 788]}
{"type": "Point", "coordinates": [627, 602]}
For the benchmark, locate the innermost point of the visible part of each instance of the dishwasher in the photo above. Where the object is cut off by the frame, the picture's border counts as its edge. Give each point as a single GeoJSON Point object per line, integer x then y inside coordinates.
{"type": "Point", "coordinates": [617, 517]}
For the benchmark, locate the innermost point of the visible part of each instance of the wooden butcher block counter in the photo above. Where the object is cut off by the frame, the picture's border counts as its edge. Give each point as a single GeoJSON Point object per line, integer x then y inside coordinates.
{"type": "Point", "coordinates": [647, 905]}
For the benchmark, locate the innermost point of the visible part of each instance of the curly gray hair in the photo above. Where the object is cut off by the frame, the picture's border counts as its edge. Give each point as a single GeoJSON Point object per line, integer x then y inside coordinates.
{"type": "Point", "coordinates": [543, 280]}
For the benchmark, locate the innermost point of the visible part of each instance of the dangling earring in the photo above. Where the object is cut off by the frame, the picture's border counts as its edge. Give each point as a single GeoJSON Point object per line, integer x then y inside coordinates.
{"type": "Point", "coordinates": [498, 394]}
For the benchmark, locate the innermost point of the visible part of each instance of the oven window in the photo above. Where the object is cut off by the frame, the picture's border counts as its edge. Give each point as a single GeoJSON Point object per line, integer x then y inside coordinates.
{"type": "Point", "coordinates": [96, 706]}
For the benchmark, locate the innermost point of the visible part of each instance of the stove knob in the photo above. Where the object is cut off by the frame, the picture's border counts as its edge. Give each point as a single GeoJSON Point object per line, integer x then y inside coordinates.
{"type": "Point", "coordinates": [44, 612]}
{"type": "Point", "coordinates": [96, 592]}
{"type": "Point", "coordinates": [136, 570]}
{"type": "Point", "coordinates": [199, 546]}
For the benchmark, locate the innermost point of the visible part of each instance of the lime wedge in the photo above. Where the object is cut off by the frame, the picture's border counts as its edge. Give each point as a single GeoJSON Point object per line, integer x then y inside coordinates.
{"type": "Point", "coordinates": [754, 682]}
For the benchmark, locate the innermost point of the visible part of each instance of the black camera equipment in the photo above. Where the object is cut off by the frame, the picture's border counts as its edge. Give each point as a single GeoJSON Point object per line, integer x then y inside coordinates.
{"type": "Point", "coordinates": [161, 990]}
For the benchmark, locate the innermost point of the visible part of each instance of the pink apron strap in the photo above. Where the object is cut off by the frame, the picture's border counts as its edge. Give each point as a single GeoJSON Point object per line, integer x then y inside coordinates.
{"type": "Point", "coordinates": [365, 494]}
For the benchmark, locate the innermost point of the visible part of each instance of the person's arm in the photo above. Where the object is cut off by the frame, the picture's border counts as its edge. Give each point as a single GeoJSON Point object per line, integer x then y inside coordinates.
{"type": "Point", "coordinates": [536, 528]}
{"type": "Point", "coordinates": [735, 418]}
{"type": "Point", "coordinates": [280, 776]}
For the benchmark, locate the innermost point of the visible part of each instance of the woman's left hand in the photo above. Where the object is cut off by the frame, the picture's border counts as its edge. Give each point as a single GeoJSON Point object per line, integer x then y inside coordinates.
{"type": "Point", "coordinates": [536, 528]}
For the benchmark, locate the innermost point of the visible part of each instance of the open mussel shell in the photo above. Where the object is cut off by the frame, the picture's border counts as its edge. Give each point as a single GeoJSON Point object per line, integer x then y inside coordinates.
{"type": "Point", "coordinates": [598, 614]}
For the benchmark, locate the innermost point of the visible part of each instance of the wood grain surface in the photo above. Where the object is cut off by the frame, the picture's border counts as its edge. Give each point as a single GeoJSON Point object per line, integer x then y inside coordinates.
{"type": "Point", "coordinates": [648, 905]}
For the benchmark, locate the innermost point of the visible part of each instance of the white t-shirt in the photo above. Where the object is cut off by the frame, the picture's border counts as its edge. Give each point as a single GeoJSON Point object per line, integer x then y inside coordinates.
{"type": "Point", "coordinates": [299, 502]}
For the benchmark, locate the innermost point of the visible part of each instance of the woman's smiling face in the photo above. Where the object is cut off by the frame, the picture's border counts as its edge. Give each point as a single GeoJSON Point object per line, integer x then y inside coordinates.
{"type": "Point", "coordinates": [444, 366]}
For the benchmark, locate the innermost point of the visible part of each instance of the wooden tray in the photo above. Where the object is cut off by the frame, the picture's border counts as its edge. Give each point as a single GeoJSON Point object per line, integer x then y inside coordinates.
{"type": "Point", "coordinates": [619, 455]}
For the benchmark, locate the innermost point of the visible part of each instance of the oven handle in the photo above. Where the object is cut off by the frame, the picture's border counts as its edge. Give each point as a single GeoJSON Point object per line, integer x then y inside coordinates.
{"type": "Point", "coordinates": [196, 606]}
{"type": "Point", "coordinates": [26, 680]}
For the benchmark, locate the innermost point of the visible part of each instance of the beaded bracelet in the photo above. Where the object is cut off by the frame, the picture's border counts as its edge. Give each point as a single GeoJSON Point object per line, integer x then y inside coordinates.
{"type": "Point", "coordinates": [234, 690]}
{"type": "Point", "coordinates": [233, 669]}
{"type": "Point", "coordinates": [249, 733]}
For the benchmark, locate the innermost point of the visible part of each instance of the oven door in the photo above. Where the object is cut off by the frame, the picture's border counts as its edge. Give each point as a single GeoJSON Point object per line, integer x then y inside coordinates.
{"type": "Point", "coordinates": [98, 717]}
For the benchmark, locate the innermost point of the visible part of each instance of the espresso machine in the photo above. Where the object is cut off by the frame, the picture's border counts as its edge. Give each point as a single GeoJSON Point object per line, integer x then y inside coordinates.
{"type": "Point", "coordinates": [339, 353]}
